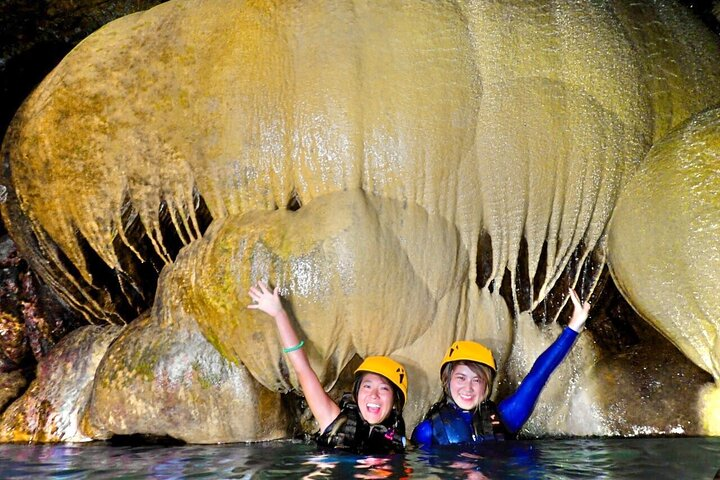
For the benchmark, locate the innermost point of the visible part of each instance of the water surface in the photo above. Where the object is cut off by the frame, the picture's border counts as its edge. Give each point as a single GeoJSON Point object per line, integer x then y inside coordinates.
{"type": "Point", "coordinates": [596, 458]}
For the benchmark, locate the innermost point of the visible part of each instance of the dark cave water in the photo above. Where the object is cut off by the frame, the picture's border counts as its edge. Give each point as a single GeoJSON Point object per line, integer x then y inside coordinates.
{"type": "Point", "coordinates": [572, 458]}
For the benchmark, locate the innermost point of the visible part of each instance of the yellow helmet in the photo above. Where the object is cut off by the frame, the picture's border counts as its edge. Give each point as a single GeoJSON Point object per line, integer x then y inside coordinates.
{"type": "Point", "coordinates": [472, 351]}
{"type": "Point", "coordinates": [388, 368]}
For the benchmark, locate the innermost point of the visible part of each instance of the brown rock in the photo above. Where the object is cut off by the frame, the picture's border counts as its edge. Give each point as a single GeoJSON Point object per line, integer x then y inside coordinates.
{"type": "Point", "coordinates": [164, 379]}
{"type": "Point", "coordinates": [50, 409]}
{"type": "Point", "coordinates": [11, 385]}
{"type": "Point", "coordinates": [649, 389]}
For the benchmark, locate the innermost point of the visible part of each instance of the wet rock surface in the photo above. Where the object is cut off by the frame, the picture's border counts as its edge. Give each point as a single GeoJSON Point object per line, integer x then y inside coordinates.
{"type": "Point", "coordinates": [166, 380]}
{"type": "Point", "coordinates": [12, 384]}
{"type": "Point", "coordinates": [35, 35]}
{"type": "Point", "coordinates": [650, 389]}
{"type": "Point", "coordinates": [663, 239]}
{"type": "Point", "coordinates": [51, 408]}
{"type": "Point", "coordinates": [32, 320]}
{"type": "Point", "coordinates": [13, 342]}
{"type": "Point", "coordinates": [630, 361]}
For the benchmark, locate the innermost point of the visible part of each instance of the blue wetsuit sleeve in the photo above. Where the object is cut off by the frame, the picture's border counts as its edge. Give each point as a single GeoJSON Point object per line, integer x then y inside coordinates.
{"type": "Point", "coordinates": [517, 408]}
{"type": "Point", "coordinates": [422, 435]}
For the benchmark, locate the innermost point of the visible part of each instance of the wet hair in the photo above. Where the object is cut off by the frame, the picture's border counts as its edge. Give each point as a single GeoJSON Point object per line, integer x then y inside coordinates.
{"type": "Point", "coordinates": [477, 368]}
{"type": "Point", "coordinates": [397, 394]}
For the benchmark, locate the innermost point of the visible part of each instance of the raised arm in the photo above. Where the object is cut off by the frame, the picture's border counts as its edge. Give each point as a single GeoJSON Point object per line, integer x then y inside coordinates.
{"type": "Point", "coordinates": [517, 408]}
{"type": "Point", "coordinates": [580, 312]}
{"type": "Point", "coordinates": [320, 403]}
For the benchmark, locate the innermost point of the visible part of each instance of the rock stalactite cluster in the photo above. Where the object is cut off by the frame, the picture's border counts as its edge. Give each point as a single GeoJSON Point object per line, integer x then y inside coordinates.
{"type": "Point", "coordinates": [408, 173]}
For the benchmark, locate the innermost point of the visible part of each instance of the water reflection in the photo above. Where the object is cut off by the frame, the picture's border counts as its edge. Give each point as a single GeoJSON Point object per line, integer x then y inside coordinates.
{"type": "Point", "coordinates": [658, 459]}
{"type": "Point", "coordinates": [469, 466]}
{"type": "Point", "coordinates": [359, 466]}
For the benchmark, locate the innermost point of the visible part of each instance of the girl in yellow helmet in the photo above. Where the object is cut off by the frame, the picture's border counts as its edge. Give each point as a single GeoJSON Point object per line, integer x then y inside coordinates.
{"type": "Point", "coordinates": [367, 421]}
{"type": "Point", "coordinates": [465, 415]}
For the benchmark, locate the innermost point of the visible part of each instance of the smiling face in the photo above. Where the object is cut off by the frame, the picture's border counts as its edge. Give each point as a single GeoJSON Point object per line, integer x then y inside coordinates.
{"type": "Point", "coordinates": [467, 386]}
{"type": "Point", "coordinates": [375, 397]}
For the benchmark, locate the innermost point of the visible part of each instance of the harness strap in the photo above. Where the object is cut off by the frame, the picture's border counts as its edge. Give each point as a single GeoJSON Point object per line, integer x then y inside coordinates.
{"type": "Point", "coordinates": [349, 431]}
{"type": "Point", "coordinates": [449, 427]}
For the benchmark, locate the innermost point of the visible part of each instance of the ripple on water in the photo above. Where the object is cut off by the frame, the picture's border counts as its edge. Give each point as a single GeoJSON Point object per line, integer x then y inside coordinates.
{"type": "Point", "coordinates": [573, 458]}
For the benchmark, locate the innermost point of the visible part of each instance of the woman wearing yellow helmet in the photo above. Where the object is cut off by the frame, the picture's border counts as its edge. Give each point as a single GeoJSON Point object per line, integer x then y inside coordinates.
{"type": "Point", "coordinates": [369, 420]}
{"type": "Point", "coordinates": [465, 415]}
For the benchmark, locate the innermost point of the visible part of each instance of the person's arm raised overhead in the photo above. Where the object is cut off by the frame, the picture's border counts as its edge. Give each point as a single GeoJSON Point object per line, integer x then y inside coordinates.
{"type": "Point", "coordinates": [320, 403]}
{"type": "Point", "coordinates": [517, 408]}
{"type": "Point", "coordinates": [580, 312]}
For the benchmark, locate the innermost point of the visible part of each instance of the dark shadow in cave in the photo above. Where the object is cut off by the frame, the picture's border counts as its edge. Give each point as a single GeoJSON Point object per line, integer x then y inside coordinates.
{"type": "Point", "coordinates": [295, 203]}
{"type": "Point", "coordinates": [526, 290]}
{"type": "Point", "coordinates": [137, 439]}
{"type": "Point", "coordinates": [613, 323]}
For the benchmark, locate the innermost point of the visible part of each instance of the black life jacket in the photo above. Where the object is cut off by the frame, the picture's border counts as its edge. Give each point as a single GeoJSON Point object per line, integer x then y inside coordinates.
{"type": "Point", "coordinates": [450, 428]}
{"type": "Point", "coordinates": [349, 431]}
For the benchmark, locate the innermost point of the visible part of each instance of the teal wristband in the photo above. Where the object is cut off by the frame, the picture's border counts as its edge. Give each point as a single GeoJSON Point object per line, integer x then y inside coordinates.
{"type": "Point", "coordinates": [295, 347]}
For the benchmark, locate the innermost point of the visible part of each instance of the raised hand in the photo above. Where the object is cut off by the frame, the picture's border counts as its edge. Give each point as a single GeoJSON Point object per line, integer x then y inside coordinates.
{"type": "Point", "coordinates": [580, 312]}
{"type": "Point", "coordinates": [265, 300]}
{"type": "Point", "coordinates": [322, 406]}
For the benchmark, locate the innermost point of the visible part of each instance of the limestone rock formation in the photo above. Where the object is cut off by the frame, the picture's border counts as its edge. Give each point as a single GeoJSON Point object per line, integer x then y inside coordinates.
{"type": "Point", "coordinates": [12, 384]}
{"type": "Point", "coordinates": [647, 382]}
{"type": "Point", "coordinates": [160, 122]}
{"type": "Point", "coordinates": [408, 172]}
{"type": "Point", "coordinates": [663, 240]}
{"type": "Point", "coordinates": [166, 380]}
{"type": "Point", "coordinates": [52, 407]}
{"type": "Point", "coordinates": [385, 277]}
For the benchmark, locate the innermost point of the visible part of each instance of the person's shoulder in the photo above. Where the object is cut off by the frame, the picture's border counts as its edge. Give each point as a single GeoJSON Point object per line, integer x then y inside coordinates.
{"type": "Point", "coordinates": [422, 435]}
